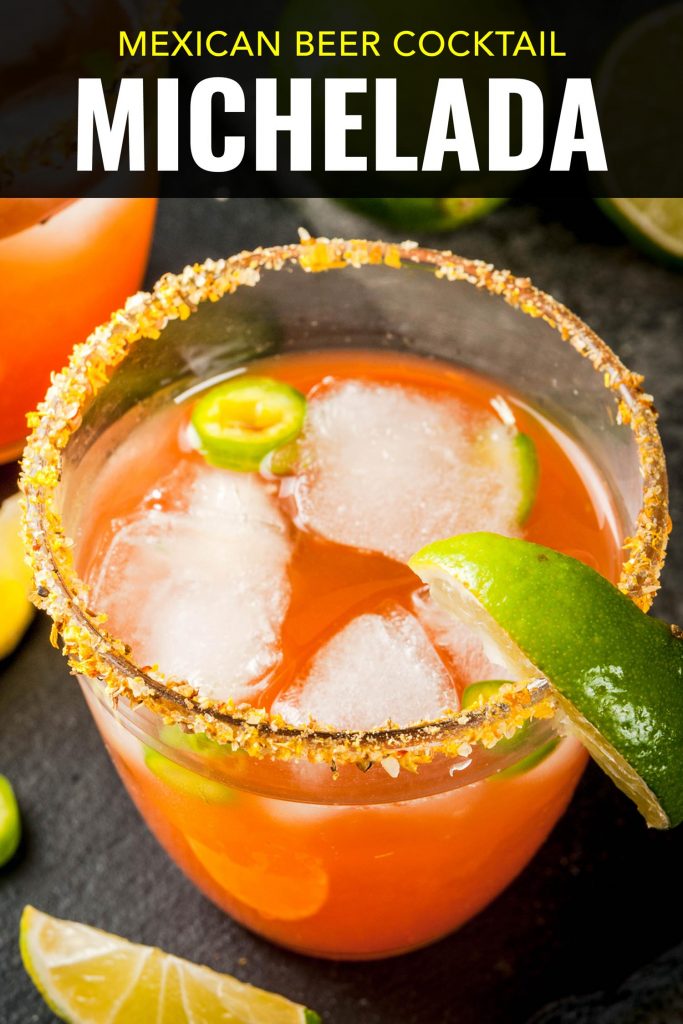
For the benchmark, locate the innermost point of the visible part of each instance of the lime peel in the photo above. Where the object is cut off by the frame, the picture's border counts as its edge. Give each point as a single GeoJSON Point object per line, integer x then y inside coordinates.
{"type": "Point", "coordinates": [529, 472]}
{"type": "Point", "coordinates": [510, 444]}
{"type": "Point", "coordinates": [616, 674]}
{"type": "Point", "coordinates": [10, 821]}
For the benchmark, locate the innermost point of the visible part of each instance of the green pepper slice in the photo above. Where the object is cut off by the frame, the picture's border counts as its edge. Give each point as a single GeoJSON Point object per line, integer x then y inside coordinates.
{"type": "Point", "coordinates": [240, 421]}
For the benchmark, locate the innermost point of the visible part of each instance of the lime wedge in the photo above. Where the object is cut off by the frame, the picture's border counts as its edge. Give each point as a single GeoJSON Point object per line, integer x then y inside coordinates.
{"type": "Point", "coordinates": [425, 214]}
{"type": "Point", "coordinates": [239, 422]}
{"type": "Point", "coordinates": [10, 821]}
{"type": "Point", "coordinates": [655, 225]}
{"type": "Point", "coordinates": [16, 611]}
{"type": "Point", "coordinates": [87, 976]}
{"type": "Point", "coordinates": [617, 674]}
{"type": "Point", "coordinates": [502, 445]}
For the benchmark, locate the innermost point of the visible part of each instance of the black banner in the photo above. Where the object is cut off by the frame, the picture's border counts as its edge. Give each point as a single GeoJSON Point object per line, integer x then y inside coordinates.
{"type": "Point", "coordinates": [357, 99]}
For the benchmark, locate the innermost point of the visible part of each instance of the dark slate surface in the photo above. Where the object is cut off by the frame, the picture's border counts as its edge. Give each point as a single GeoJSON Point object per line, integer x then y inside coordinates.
{"type": "Point", "coordinates": [589, 933]}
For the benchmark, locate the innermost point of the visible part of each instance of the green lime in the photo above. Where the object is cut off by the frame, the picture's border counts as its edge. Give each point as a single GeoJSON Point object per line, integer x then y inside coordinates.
{"type": "Point", "coordinates": [479, 693]}
{"type": "Point", "coordinates": [617, 673]}
{"type": "Point", "coordinates": [240, 421]}
{"type": "Point", "coordinates": [195, 742]}
{"type": "Point", "coordinates": [10, 821]}
{"type": "Point", "coordinates": [527, 763]}
{"type": "Point", "coordinates": [186, 781]}
{"type": "Point", "coordinates": [425, 214]}
{"type": "Point", "coordinates": [495, 451]}
{"type": "Point", "coordinates": [655, 225]}
{"type": "Point", "coordinates": [527, 463]}
{"type": "Point", "coordinates": [639, 105]}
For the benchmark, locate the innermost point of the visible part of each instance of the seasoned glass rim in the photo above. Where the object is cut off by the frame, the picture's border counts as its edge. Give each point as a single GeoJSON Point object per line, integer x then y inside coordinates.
{"type": "Point", "coordinates": [93, 652]}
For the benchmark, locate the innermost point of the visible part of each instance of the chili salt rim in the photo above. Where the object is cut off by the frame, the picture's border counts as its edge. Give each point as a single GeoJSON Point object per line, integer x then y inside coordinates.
{"type": "Point", "coordinates": [93, 652]}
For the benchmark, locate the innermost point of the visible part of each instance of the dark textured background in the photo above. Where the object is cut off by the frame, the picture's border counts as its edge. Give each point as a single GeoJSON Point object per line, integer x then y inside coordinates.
{"type": "Point", "coordinates": [590, 932]}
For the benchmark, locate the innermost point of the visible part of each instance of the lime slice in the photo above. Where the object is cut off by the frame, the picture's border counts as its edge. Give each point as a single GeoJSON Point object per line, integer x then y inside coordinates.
{"type": "Point", "coordinates": [533, 759]}
{"type": "Point", "coordinates": [16, 611]}
{"type": "Point", "coordinates": [495, 449]}
{"type": "Point", "coordinates": [425, 214]}
{"type": "Point", "coordinates": [239, 422]}
{"type": "Point", "coordinates": [184, 780]}
{"type": "Point", "coordinates": [476, 694]}
{"type": "Point", "coordinates": [10, 821]}
{"type": "Point", "coordinates": [655, 225]}
{"type": "Point", "coordinates": [527, 463]}
{"type": "Point", "coordinates": [279, 883]}
{"type": "Point", "coordinates": [617, 674]}
{"type": "Point", "coordinates": [195, 742]}
{"type": "Point", "coordinates": [87, 976]}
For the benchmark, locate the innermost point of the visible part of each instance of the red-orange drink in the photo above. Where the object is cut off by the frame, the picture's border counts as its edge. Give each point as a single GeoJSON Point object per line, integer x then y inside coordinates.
{"type": "Point", "coordinates": [61, 276]}
{"type": "Point", "coordinates": [353, 864]}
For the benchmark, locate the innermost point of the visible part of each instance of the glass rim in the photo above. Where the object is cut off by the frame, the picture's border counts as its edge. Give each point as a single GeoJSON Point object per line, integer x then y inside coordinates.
{"type": "Point", "coordinates": [93, 652]}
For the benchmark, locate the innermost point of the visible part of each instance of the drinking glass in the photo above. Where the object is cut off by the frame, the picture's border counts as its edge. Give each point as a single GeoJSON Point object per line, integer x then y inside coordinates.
{"type": "Point", "coordinates": [60, 277]}
{"type": "Point", "coordinates": [337, 844]}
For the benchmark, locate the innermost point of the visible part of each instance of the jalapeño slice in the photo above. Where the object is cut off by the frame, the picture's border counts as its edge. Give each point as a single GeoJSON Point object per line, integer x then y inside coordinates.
{"type": "Point", "coordinates": [240, 421]}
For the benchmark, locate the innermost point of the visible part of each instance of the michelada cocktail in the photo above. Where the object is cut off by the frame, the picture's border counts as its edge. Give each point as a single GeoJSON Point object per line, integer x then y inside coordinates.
{"type": "Point", "coordinates": [320, 746]}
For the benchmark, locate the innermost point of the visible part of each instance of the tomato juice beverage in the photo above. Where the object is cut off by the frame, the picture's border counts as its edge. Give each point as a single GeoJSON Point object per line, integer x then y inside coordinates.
{"type": "Point", "coordinates": [55, 288]}
{"type": "Point", "coordinates": [337, 762]}
{"type": "Point", "coordinates": [292, 593]}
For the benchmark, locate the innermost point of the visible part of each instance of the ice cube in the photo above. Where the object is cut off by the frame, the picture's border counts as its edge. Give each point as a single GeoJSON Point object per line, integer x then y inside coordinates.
{"type": "Point", "coordinates": [196, 581]}
{"type": "Point", "coordinates": [388, 468]}
{"type": "Point", "coordinates": [378, 667]}
{"type": "Point", "coordinates": [468, 652]}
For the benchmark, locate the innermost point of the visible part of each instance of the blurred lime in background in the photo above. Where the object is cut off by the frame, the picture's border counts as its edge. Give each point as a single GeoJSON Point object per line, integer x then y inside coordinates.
{"type": "Point", "coordinates": [425, 214]}
{"type": "Point", "coordinates": [654, 225]}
